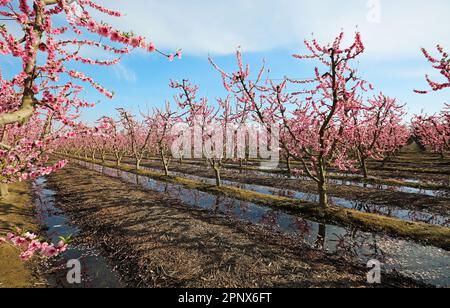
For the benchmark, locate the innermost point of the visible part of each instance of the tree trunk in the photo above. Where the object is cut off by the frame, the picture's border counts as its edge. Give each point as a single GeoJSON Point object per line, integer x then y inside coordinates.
{"type": "Point", "coordinates": [165, 162]}
{"type": "Point", "coordinates": [217, 174]}
{"type": "Point", "coordinates": [166, 166]}
{"type": "Point", "coordinates": [4, 191]}
{"type": "Point", "coordinates": [288, 164]}
{"type": "Point", "coordinates": [364, 170]}
{"type": "Point", "coordinates": [138, 164]}
{"type": "Point", "coordinates": [321, 237]}
{"type": "Point", "coordinates": [323, 194]}
{"type": "Point", "coordinates": [322, 184]}
{"type": "Point", "coordinates": [386, 160]}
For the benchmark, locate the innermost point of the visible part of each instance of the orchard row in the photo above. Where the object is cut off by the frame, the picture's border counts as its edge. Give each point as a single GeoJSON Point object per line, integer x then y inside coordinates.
{"type": "Point", "coordinates": [334, 120]}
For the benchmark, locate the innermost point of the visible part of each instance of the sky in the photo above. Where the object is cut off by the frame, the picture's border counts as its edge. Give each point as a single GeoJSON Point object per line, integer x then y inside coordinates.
{"type": "Point", "coordinates": [393, 32]}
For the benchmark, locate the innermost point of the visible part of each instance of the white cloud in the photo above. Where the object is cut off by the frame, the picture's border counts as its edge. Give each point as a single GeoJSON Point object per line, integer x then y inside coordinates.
{"type": "Point", "coordinates": [124, 73]}
{"type": "Point", "coordinates": [218, 26]}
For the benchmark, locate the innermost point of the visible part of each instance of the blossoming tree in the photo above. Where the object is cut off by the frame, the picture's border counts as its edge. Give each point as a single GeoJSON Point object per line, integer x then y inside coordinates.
{"type": "Point", "coordinates": [160, 125]}
{"type": "Point", "coordinates": [434, 132]}
{"type": "Point", "coordinates": [118, 141]}
{"type": "Point", "coordinates": [379, 130]}
{"type": "Point", "coordinates": [45, 38]}
{"type": "Point", "coordinates": [442, 65]}
{"type": "Point", "coordinates": [319, 119]}
{"type": "Point", "coordinates": [207, 127]}
{"type": "Point", "coordinates": [139, 136]}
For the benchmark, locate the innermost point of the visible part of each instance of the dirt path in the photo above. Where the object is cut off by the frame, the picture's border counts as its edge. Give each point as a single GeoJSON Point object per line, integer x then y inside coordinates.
{"type": "Point", "coordinates": [16, 211]}
{"type": "Point", "coordinates": [157, 242]}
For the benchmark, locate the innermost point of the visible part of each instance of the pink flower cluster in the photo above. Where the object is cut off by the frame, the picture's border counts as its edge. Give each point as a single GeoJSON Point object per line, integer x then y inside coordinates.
{"type": "Point", "coordinates": [442, 65]}
{"type": "Point", "coordinates": [31, 245]}
{"type": "Point", "coordinates": [51, 39]}
{"type": "Point", "coordinates": [434, 131]}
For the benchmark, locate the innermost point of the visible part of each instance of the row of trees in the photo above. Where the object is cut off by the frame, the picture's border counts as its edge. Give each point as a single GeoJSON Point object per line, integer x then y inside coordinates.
{"type": "Point", "coordinates": [331, 121]}
{"type": "Point", "coordinates": [328, 123]}
{"type": "Point", "coordinates": [434, 131]}
{"type": "Point", "coordinates": [40, 101]}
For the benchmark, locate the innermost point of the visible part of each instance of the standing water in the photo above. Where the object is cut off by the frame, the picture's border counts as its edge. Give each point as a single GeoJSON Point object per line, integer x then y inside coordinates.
{"type": "Point", "coordinates": [95, 271]}
{"type": "Point", "coordinates": [424, 263]}
{"type": "Point", "coordinates": [390, 211]}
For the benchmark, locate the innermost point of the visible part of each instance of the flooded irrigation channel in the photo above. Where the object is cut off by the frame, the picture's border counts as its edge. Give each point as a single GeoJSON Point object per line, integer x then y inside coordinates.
{"type": "Point", "coordinates": [425, 263]}
{"type": "Point", "coordinates": [389, 211]}
{"type": "Point", "coordinates": [441, 193]}
{"type": "Point", "coordinates": [366, 207]}
{"type": "Point", "coordinates": [95, 271]}
{"type": "Point", "coordinates": [358, 182]}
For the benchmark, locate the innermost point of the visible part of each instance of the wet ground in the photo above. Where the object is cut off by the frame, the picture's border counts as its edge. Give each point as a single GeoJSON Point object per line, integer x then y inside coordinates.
{"type": "Point", "coordinates": [426, 205]}
{"type": "Point", "coordinates": [157, 237]}
{"type": "Point", "coordinates": [96, 272]}
{"type": "Point", "coordinates": [410, 167]}
{"type": "Point", "coordinates": [385, 210]}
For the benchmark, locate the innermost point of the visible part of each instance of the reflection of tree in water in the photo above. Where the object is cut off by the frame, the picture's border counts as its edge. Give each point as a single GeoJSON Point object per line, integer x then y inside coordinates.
{"type": "Point", "coordinates": [43, 208]}
{"type": "Point", "coordinates": [433, 219]}
{"type": "Point", "coordinates": [217, 204]}
{"type": "Point", "coordinates": [321, 237]}
{"type": "Point", "coordinates": [226, 205]}
{"type": "Point", "coordinates": [294, 195]}
{"type": "Point", "coordinates": [194, 195]}
{"type": "Point", "coordinates": [286, 193]}
{"type": "Point", "coordinates": [356, 244]}
{"type": "Point", "coordinates": [270, 219]}
{"type": "Point", "coordinates": [302, 226]}
{"type": "Point", "coordinates": [244, 207]}
{"type": "Point", "coordinates": [372, 208]}
{"type": "Point", "coordinates": [383, 210]}
{"type": "Point", "coordinates": [352, 243]}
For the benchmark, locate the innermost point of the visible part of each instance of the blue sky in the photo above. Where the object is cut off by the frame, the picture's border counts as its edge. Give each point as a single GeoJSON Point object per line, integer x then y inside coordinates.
{"type": "Point", "coordinates": [393, 32]}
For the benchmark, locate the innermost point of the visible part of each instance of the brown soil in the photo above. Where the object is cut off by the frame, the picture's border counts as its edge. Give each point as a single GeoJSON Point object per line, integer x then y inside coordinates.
{"type": "Point", "coordinates": [16, 211]}
{"type": "Point", "coordinates": [157, 242]}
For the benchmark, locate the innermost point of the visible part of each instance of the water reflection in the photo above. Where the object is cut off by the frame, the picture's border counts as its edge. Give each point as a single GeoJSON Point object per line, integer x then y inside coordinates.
{"type": "Point", "coordinates": [96, 272]}
{"type": "Point", "coordinates": [420, 262]}
{"type": "Point", "coordinates": [390, 211]}
{"type": "Point", "coordinates": [439, 193]}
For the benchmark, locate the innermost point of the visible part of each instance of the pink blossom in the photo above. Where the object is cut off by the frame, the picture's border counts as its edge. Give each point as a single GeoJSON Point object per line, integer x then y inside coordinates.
{"type": "Point", "coordinates": [27, 255]}
{"type": "Point", "coordinates": [60, 88]}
